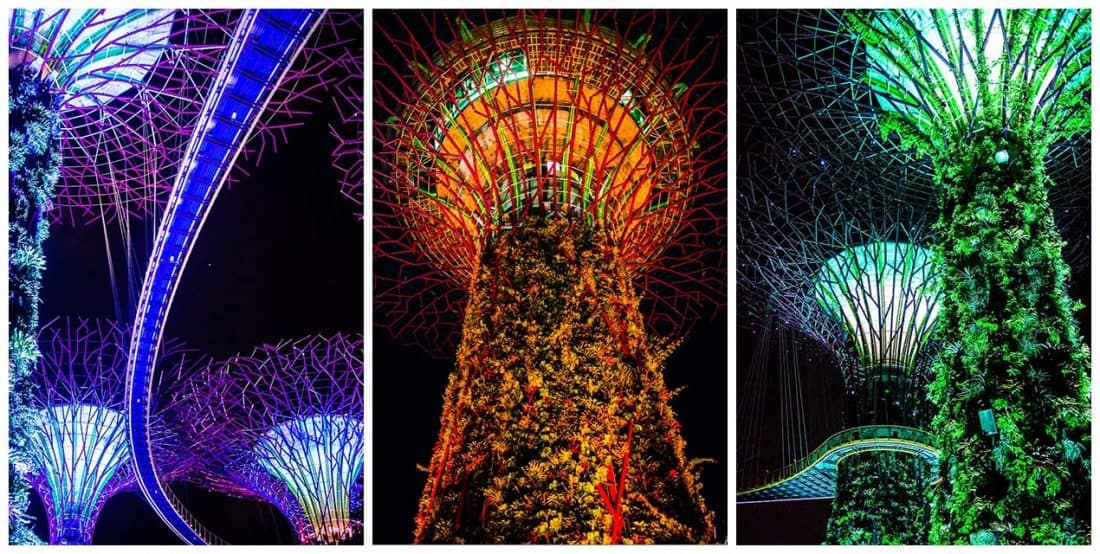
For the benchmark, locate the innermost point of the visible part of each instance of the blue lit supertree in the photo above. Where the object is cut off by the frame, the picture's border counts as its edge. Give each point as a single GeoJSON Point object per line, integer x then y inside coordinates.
{"type": "Point", "coordinates": [77, 446]}
{"type": "Point", "coordinates": [100, 104]}
{"type": "Point", "coordinates": [285, 424]}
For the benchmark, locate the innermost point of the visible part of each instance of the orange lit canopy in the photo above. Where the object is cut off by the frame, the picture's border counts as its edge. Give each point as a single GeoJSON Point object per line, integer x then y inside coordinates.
{"type": "Point", "coordinates": [520, 116]}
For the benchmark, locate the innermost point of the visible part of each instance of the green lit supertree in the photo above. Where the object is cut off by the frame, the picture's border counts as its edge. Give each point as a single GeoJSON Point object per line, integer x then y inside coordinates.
{"type": "Point", "coordinates": [983, 118]}
{"type": "Point", "coordinates": [985, 94]}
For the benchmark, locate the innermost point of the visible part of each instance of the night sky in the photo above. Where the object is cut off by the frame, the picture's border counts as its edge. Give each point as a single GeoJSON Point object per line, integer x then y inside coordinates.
{"type": "Point", "coordinates": [408, 385]}
{"type": "Point", "coordinates": [280, 257]}
{"type": "Point", "coordinates": [759, 447]}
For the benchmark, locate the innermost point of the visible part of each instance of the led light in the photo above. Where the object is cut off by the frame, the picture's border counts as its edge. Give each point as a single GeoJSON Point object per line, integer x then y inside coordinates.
{"type": "Point", "coordinates": [1001, 157]}
{"type": "Point", "coordinates": [319, 459]}
{"type": "Point", "coordinates": [885, 296]}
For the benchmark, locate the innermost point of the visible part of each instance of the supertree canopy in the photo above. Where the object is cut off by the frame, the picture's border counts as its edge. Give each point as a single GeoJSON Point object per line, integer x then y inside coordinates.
{"type": "Point", "coordinates": [948, 73]}
{"type": "Point", "coordinates": [980, 119]}
{"type": "Point", "coordinates": [848, 273]}
{"type": "Point", "coordinates": [98, 102]}
{"type": "Point", "coordinates": [884, 295]}
{"type": "Point", "coordinates": [285, 425]}
{"type": "Point", "coordinates": [541, 169]}
{"type": "Point", "coordinates": [78, 453]}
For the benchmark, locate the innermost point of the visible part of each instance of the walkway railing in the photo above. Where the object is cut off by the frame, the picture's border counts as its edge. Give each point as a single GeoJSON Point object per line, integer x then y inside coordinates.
{"type": "Point", "coordinates": [818, 469]}
{"type": "Point", "coordinates": [263, 47]}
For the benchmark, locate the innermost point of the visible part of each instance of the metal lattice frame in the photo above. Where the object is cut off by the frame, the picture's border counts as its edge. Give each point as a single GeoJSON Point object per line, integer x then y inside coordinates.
{"type": "Point", "coordinates": [79, 447]}
{"type": "Point", "coordinates": [806, 114]}
{"type": "Point", "coordinates": [132, 83]}
{"type": "Point", "coordinates": [886, 297]}
{"type": "Point", "coordinates": [328, 70]}
{"type": "Point", "coordinates": [609, 117]}
{"type": "Point", "coordinates": [284, 424]}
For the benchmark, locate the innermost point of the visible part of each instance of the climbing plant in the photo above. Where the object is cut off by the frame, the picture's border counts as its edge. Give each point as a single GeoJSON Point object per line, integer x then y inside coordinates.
{"type": "Point", "coordinates": [34, 161]}
{"type": "Point", "coordinates": [556, 425]}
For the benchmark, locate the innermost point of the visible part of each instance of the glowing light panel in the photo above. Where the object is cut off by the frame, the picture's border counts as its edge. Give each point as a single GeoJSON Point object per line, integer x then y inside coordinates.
{"type": "Point", "coordinates": [319, 459]}
{"type": "Point", "coordinates": [885, 295]}
{"type": "Point", "coordinates": [79, 448]}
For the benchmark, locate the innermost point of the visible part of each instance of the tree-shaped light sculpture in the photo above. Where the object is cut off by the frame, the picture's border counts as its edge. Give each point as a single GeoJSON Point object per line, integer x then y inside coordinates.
{"type": "Point", "coordinates": [535, 173]}
{"type": "Point", "coordinates": [77, 445]}
{"type": "Point", "coordinates": [985, 94]}
{"type": "Point", "coordinates": [100, 103]}
{"type": "Point", "coordinates": [884, 295]}
{"type": "Point", "coordinates": [843, 264]}
{"type": "Point", "coordinates": [285, 425]}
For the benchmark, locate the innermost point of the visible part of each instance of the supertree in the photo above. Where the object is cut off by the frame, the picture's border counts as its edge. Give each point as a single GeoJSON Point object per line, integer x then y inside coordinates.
{"type": "Point", "coordinates": [556, 180]}
{"type": "Point", "coordinates": [77, 448]}
{"type": "Point", "coordinates": [985, 94]}
{"type": "Point", "coordinates": [285, 425]}
{"type": "Point", "coordinates": [987, 113]}
{"type": "Point", "coordinates": [852, 276]}
{"type": "Point", "coordinates": [98, 102]}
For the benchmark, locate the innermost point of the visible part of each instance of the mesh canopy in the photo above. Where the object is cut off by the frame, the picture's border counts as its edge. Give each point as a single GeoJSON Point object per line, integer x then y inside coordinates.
{"type": "Point", "coordinates": [885, 296]}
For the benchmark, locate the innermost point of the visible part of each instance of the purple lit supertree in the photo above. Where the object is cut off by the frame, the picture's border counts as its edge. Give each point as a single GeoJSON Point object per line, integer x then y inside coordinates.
{"type": "Point", "coordinates": [77, 454]}
{"type": "Point", "coordinates": [327, 74]}
{"type": "Point", "coordinates": [100, 104]}
{"type": "Point", "coordinates": [285, 425]}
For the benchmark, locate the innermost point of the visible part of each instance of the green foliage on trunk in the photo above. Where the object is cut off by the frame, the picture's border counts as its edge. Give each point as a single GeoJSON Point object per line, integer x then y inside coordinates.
{"type": "Point", "coordinates": [1011, 345]}
{"type": "Point", "coordinates": [34, 158]}
{"type": "Point", "coordinates": [880, 499]}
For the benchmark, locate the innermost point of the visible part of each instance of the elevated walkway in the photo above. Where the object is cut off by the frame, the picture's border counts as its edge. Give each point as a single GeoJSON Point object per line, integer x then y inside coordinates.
{"type": "Point", "coordinates": [263, 47]}
{"type": "Point", "coordinates": [814, 476]}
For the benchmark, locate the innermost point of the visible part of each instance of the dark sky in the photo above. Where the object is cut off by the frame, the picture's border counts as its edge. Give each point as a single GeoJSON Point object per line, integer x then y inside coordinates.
{"type": "Point", "coordinates": [408, 385]}
{"type": "Point", "coordinates": [280, 257]}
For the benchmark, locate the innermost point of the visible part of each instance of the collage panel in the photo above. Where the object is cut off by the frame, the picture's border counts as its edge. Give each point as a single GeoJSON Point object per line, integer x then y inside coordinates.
{"type": "Point", "coordinates": [185, 276]}
{"type": "Point", "coordinates": [913, 276]}
{"type": "Point", "coordinates": [549, 227]}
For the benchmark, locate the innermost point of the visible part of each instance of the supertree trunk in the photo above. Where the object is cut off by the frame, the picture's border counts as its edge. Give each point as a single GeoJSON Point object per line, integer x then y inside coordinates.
{"type": "Point", "coordinates": [35, 159]}
{"type": "Point", "coordinates": [880, 499]}
{"type": "Point", "coordinates": [556, 425]}
{"type": "Point", "coordinates": [1013, 348]}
